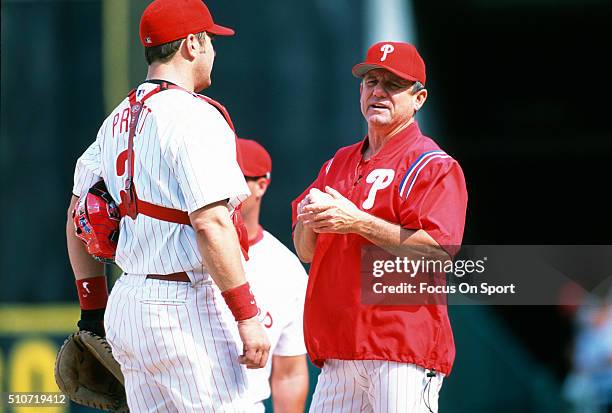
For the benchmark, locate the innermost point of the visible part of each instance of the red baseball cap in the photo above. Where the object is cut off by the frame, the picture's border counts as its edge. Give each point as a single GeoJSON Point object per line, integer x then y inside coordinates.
{"type": "Point", "coordinates": [253, 158]}
{"type": "Point", "coordinates": [399, 58]}
{"type": "Point", "coordinates": [164, 21]}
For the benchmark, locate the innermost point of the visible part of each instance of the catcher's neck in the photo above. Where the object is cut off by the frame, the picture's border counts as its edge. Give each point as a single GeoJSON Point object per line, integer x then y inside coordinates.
{"type": "Point", "coordinates": [171, 73]}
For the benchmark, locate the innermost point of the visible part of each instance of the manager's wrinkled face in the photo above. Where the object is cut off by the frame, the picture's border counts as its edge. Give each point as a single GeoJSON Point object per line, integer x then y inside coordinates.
{"type": "Point", "coordinates": [387, 100]}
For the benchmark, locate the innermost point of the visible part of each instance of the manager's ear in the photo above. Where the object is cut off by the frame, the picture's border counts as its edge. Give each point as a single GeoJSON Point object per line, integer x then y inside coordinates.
{"type": "Point", "coordinates": [419, 99]}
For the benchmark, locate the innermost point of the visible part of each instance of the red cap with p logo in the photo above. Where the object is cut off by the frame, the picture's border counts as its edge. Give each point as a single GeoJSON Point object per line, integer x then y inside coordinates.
{"type": "Point", "coordinates": [399, 58]}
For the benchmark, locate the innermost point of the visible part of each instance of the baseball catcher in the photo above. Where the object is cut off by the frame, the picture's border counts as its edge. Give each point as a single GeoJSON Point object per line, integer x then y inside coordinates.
{"type": "Point", "coordinates": [184, 245]}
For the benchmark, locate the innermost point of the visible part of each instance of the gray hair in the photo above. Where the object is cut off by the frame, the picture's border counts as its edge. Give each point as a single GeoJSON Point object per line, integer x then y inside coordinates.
{"type": "Point", "coordinates": [417, 86]}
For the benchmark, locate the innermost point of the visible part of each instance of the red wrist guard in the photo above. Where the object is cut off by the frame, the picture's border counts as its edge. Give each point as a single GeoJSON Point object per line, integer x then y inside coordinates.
{"type": "Point", "coordinates": [93, 293]}
{"type": "Point", "coordinates": [241, 302]}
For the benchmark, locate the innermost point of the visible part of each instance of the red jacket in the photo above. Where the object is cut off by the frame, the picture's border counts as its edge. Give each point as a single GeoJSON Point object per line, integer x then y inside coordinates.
{"type": "Point", "coordinates": [410, 182]}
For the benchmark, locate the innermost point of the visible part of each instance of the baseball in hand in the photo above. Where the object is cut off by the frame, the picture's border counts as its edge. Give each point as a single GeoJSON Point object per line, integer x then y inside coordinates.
{"type": "Point", "coordinates": [317, 196]}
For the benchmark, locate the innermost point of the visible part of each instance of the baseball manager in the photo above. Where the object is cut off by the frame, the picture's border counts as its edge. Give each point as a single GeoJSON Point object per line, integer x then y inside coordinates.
{"type": "Point", "coordinates": [395, 189]}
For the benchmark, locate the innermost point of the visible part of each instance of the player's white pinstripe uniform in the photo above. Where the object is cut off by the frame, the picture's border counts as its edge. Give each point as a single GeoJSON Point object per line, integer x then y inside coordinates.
{"type": "Point", "coordinates": [375, 386]}
{"type": "Point", "coordinates": [182, 161]}
{"type": "Point", "coordinates": [170, 338]}
{"type": "Point", "coordinates": [174, 346]}
{"type": "Point", "coordinates": [278, 280]}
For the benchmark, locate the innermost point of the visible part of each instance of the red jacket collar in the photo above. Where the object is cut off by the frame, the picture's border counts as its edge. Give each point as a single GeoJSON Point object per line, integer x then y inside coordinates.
{"type": "Point", "coordinates": [407, 135]}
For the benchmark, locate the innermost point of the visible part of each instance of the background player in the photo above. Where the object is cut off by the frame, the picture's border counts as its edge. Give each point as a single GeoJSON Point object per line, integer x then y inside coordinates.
{"type": "Point", "coordinates": [163, 321]}
{"type": "Point", "coordinates": [397, 190]}
{"type": "Point", "coordinates": [278, 280]}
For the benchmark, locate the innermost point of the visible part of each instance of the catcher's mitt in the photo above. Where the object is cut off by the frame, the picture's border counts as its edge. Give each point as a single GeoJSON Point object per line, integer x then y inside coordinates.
{"type": "Point", "coordinates": [87, 373]}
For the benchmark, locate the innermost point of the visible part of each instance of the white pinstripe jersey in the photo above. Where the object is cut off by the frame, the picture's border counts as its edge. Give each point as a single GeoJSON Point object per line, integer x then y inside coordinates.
{"type": "Point", "coordinates": [278, 280]}
{"type": "Point", "coordinates": [185, 158]}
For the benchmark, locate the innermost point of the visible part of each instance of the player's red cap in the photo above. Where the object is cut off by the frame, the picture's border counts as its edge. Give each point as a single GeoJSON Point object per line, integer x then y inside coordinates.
{"type": "Point", "coordinates": [399, 58]}
{"type": "Point", "coordinates": [164, 21]}
{"type": "Point", "coordinates": [253, 158]}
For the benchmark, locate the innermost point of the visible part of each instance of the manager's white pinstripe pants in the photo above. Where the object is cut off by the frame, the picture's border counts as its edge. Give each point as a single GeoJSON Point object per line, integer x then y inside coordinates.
{"type": "Point", "coordinates": [350, 386]}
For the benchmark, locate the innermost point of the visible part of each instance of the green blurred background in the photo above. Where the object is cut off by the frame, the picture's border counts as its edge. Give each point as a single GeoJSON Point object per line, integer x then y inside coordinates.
{"type": "Point", "coordinates": [518, 93]}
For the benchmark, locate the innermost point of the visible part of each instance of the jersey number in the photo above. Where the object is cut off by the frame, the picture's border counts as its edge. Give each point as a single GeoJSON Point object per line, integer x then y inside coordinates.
{"type": "Point", "coordinates": [121, 163]}
{"type": "Point", "coordinates": [380, 179]}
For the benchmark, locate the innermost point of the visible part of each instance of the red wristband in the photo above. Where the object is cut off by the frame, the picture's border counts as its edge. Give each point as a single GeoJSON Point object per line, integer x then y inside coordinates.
{"type": "Point", "coordinates": [241, 302]}
{"type": "Point", "coordinates": [93, 293]}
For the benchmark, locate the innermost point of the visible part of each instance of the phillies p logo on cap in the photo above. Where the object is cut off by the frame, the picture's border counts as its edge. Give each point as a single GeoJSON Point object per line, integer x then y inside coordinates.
{"type": "Point", "coordinates": [400, 58]}
{"type": "Point", "coordinates": [386, 49]}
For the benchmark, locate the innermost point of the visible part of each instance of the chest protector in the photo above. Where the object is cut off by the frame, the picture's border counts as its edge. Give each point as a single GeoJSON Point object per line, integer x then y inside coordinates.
{"type": "Point", "coordinates": [96, 215]}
